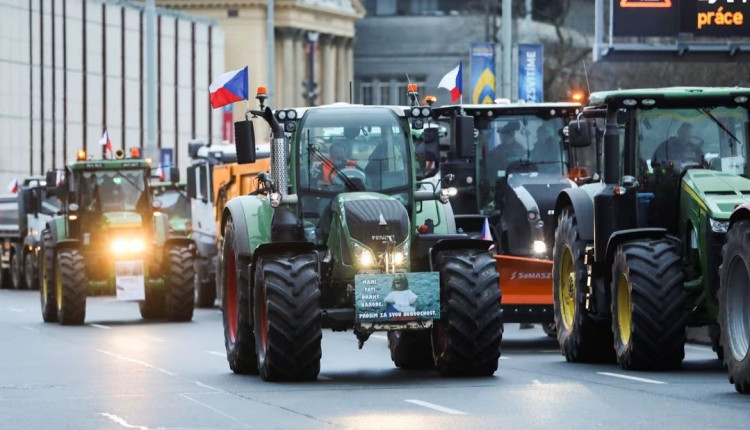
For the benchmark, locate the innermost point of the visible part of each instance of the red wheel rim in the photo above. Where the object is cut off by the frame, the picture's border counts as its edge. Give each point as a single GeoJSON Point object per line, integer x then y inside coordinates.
{"type": "Point", "coordinates": [263, 319]}
{"type": "Point", "coordinates": [231, 296]}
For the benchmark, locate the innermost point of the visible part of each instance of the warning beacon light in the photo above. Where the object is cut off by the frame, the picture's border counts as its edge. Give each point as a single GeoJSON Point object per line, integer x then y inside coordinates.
{"type": "Point", "coordinates": [430, 100]}
{"type": "Point", "coordinates": [261, 93]}
{"type": "Point", "coordinates": [81, 155]}
{"type": "Point", "coordinates": [577, 97]}
{"type": "Point", "coordinates": [135, 153]}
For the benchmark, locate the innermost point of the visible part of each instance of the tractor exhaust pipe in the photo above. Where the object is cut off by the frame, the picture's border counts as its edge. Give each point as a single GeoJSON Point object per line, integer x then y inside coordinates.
{"type": "Point", "coordinates": [611, 149]}
{"type": "Point", "coordinates": [279, 172]}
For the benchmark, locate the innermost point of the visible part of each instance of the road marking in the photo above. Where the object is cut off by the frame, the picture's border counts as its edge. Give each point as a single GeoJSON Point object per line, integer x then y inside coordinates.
{"type": "Point", "coordinates": [201, 384]}
{"type": "Point", "coordinates": [133, 360]}
{"type": "Point", "coordinates": [213, 409]}
{"type": "Point", "coordinates": [121, 421]}
{"type": "Point", "coordinates": [632, 378]}
{"type": "Point", "coordinates": [29, 328]}
{"type": "Point", "coordinates": [104, 327]}
{"type": "Point", "coordinates": [435, 407]}
{"type": "Point", "coordinates": [504, 358]}
{"type": "Point", "coordinates": [220, 354]}
{"type": "Point", "coordinates": [379, 336]}
{"type": "Point", "coordinates": [152, 338]}
{"type": "Point", "coordinates": [16, 310]}
{"type": "Point", "coordinates": [325, 378]}
{"type": "Point", "coordinates": [699, 348]}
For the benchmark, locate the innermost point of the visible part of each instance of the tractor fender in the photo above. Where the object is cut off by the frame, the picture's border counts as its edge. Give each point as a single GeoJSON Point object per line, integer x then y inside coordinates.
{"type": "Point", "coordinates": [178, 241]}
{"type": "Point", "coordinates": [274, 248]}
{"type": "Point", "coordinates": [740, 213]}
{"type": "Point", "coordinates": [583, 207]}
{"type": "Point", "coordinates": [622, 236]}
{"type": "Point", "coordinates": [460, 242]}
{"type": "Point", "coordinates": [59, 232]}
{"type": "Point", "coordinates": [251, 216]}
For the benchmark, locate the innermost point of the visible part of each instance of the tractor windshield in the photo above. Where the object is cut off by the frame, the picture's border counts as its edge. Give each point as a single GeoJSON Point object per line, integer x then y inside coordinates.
{"type": "Point", "coordinates": [523, 143]}
{"type": "Point", "coordinates": [352, 149]}
{"type": "Point", "coordinates": [675, 139]}
{"type": "Point", "coordinates": [173, 202]}
{"type": "Point", "coordinates": [113, 190]}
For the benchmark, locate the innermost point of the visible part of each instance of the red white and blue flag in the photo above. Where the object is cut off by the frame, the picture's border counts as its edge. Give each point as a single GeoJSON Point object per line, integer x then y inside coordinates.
{"type": "Point", "coordinates": [105, 141]}
{"type": "Point", "coordinates": [228, 88]}
{"type": "Point", "coordinates": [486, 235]}
{"type": "Point", "coordinates": [453, 82]}
{"type": "Point", "coordinates": [13, 186]}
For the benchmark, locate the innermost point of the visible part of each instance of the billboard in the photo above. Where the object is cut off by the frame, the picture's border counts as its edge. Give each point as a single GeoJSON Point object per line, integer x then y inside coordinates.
{"type": "Point", "coordinates": [482, 73]}
{"type": "Point", "coordinates": [662, 18]}
{"type": "Point", "coordinates": [531, 72]}
{"type": "Point", "coordinates": [715, 18]}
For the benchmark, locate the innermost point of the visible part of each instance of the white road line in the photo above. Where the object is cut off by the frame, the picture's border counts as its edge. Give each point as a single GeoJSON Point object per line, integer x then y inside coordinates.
{"type": "Point", "coordinates": [325, 378]}
{"type": "Point", "coordinates": [435, 407]}
{"type": "Point", "coordinates": [699, 348]}
{"type": "Point", "coordinates": [503, 357]}
{"type": "Point", "coordinates": [220, 354]}
{"type": "Point", "coordinates": [121, 421]}
{"type": "Point", "coordinates": [133, 360]}
{"type": "Point", "coordinates": [201, 384]}
{"type": "Point", "coordinates": [16, 310]}
{"type": "Point", "coordinates": [632, 378]}
{"type": "Point", "coordinates": [104, 327]}
{"type": "Point", "coordinates": [29, 328]}
{"type": "Point", "coordinates": [213, 409]}
{"type": "Point", "coordinates": [379, 336]}
{"type": "Point", "coordinates": [153, 338]}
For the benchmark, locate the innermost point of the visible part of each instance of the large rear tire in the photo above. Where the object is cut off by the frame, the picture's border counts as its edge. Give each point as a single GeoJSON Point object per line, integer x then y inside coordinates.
{"type": "Point", "coordinates": [154, 307]}
{"type": "Point", "coordinates": [648, 305]}
{"type": "Point", "coordinates": [411, 350]}
{"type": "Point", "coordinates": [466, 339]}
{"type": "Point", "coordinates": [16, 269]}
{"type": "Point", "coordinates": [180, 288]}
{"type": "Point", "coordinates": [734, 305]}
{"type": "Point", "coordinates": [30, 271]}
{"type": "Point", "coordinates": [70, 287]}
{"type": "Point", "coordinates": [48, 297]}
{"type": "Point", "coordinates": [287, 312]}
{"type": "Point", "coordinates": [238, 329]}
{"type": "Point", "coordinates": [582, 338]}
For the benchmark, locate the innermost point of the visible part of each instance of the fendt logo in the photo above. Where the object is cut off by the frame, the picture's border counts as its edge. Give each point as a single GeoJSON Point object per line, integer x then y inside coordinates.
{"type": "Point", "coordinates": [530, 275]}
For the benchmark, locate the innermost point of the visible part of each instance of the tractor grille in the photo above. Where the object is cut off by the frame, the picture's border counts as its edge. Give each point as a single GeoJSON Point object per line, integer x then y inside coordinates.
{"type": "Point", "coordinates": [364, 219]}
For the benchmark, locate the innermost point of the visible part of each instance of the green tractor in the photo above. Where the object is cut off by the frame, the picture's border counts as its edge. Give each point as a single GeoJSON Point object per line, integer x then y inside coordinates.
{"type": "Point", "coordinates": [175, 203]}
{"type": "Point", "coordinates": [110, 240]}
{"type": "Point", "coordinates": [348, 237]}
{"type": "Point", "coordinates": [636, 256]}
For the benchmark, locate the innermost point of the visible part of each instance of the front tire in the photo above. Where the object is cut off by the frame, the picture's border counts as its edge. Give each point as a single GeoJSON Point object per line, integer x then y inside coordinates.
{"type": "Point", "coordinates": [180, 288]}
{"type": "Point", "coordinates": [31, 273]}
{"type": "Point", "coordinates": [648, 305]}
{"type": "Point", "coordinates": [734, 305]}
{"type": "Point", "coordinates": [411, 350]}
{"type": "Point", "coordinates": [48, 296]}
{"type": "Point", "coordinates": [582, 339]}
{"type": "Point", "coordinates": [70, 286]}
{"type": "Point", "coordinates": [287, 312]}
{"type": "Point", "coordinates": [16, 270]}
{"type": "Point", "coordinates": [466, 339]}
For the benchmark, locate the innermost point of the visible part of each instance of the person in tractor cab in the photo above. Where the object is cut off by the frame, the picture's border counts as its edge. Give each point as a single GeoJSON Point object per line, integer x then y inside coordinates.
{"type": "Point", "coordinates": [337, 160]}
{"type": "Point", "coordinates": [507, 151]}
{"type": "Point", "coordinates": [679, 150]}
{"type": "Point", "coordinates": [547, 149]}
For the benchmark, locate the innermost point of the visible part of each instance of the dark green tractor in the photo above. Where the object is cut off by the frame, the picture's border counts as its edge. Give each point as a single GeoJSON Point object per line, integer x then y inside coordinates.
{"type": "Point", "coordinates": [109, 240]}
{"type": "Point", "coordinates": [174, 202]}
{"type": "Point", "coordinates": [343, 235]}
{"type": "Point", "coordinates": [636, 256]}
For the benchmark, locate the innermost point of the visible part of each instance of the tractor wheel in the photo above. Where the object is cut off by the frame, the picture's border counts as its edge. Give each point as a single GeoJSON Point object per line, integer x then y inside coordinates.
{"type": "Point", "coordinates": [286, 298]}
{"type": "Point", "coordinates": [550, 329]}
{"type": "Point", "coordinates": [238, 329]}
{"type": "Point", "coordinates": [4, 278]}
{"type": "Point", "coordinates": [466, 339]}
{"type": "Point", "coordinates": [70, 287]}
{"type": "Point", "coordinates": [180, 288]}
{"type": "Point", "coordinates": [47, 278]}
{"type": "Point", "coordinates": [16, 270]}
{"type": "Point", "coordinates": [155, 305]}
{"type": "Point", "coordinates": [734, 305]}
{"type": "Point", "coordinates": [648, 305]}
{"type": "Point", "coordinates": [30, 271]}
{"type": "Point", "coordinates": [205, 292]}
{"type": "Point", "coordinates": [411, 350]}
{"type": "Point", "coordinates": [582, 339]}
{"type": "Point", "coordinates": [714, 333]}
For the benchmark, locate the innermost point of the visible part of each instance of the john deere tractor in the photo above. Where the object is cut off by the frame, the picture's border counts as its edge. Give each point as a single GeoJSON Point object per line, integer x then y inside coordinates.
{"type": "Point", "coordinates": [636, 256]}
{"type": "Point", "coordinates": [339, 237]}
{"type": "Point", "coordinates": [110, 240]}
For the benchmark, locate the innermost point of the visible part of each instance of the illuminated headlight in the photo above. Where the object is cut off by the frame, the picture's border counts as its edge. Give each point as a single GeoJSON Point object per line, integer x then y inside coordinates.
{"type": "Point", "coordinates": [364, 256]}
{"type": "Point", "coordinates": [399, 258]}
{"type": "Point", "coordinates": [127, 246]}
{"type": "Point", "coordinates": [719, 226]}
{"type": "Point", "coordinates": [539, 247]}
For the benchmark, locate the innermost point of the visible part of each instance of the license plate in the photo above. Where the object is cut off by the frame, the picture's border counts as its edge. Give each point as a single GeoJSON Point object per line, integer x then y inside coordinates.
{"type": "Point", "coordinates": [397, 298]}
{"type": "Point", "coordinates": [130, 281]}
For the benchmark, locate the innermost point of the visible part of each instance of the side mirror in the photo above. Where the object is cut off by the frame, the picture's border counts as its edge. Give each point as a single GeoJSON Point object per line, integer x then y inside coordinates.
{"type": "Point", "coordinates": [581, 133]}
{"type": "Point", "coordinates": [244, 136]}
{"type": "Point", "coordinates": [193, 148]}
{"type": "Point", "coordinates": [174, 174]}
{"type": "Point", "coordinates": [51, 179]}
{"type": "Point", "coordinates": [463, 136]}
{"type": "Point", "coordinates": [192, 189]}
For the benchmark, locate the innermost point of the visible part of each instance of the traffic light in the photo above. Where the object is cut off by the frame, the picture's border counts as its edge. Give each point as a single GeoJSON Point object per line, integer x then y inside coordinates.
{"type": "Point", "coordinates": [311, 92]}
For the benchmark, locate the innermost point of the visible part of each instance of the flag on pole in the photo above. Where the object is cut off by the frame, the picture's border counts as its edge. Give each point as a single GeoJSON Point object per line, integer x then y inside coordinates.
{"type": "Point", "coordinates": [13, 186]}
{"type": "Point", "coordinates": [486, 235]}
{"type": "Point", "coordinates": [105, 142]}
{"type": "Point", "coordinates": [228, 88]}
{"type": "Point", "coordinates": [453, 82]}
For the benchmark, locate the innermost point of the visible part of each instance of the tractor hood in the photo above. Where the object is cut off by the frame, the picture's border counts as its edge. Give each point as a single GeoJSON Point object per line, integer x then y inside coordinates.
{"type": "Point", "coordinates": [538, 191]}
{"type": "Point", "coordinates": [122, 219]}
{"type": "Point", "coordinates": [720, 192]}
{"type": "Point", "coordinates": [178, 224]}
{"type": "Point", "coordinates": [373, 219]}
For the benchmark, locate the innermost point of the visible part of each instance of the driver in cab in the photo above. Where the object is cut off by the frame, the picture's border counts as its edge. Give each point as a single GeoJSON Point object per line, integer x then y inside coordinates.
{"type": "Point", "coordinates": [683, 149]}
{"type": "Point", "coordinates": [336, 161]}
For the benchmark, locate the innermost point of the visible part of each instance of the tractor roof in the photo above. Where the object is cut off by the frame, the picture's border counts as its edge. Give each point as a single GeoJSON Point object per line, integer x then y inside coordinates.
{"type": "Point", "coordinates": [125, 163]}
{"type": "Point", "coordinates": [673, 96]}
{"type": "Point", "coordinates": [399, 110]}
{"type": "Point", "coordinates": [507, 109]}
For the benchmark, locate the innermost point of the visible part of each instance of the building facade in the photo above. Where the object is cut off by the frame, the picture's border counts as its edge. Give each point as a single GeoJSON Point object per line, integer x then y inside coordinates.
{"type": "Point", "coordinates": [69, 69]}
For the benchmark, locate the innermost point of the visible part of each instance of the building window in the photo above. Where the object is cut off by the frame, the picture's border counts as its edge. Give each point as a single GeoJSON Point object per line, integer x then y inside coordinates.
{"type": "Point", "coordinates": [365, 93]}
{"type": "Point", "coordinates": [233, 13]}
{"type": "Point", "coordinates": [385, 7]}
{"type": "Point", "coordinates": [385, 94]}
{"type": "Point", "coordinates": [386, 91]}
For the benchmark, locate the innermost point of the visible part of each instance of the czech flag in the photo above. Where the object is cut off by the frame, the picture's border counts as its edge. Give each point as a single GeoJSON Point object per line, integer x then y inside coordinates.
{"type": "Point", "coordinates": [229, 88]}
{"type": "Point", "coordinates": [453, 82]}
{"type": "Point", "coordinates": [13, 186]}
{"type": "Point", "coordinates": [105, 142]}
{"type": "Point", "coordinates": [486, 235]}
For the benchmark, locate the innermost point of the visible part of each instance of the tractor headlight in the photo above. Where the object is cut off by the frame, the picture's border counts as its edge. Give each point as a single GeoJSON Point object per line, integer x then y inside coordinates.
{"type": "Point", "coordinates": [719, 226]}
{"type": "Point", "coordinates": [539, 247]}
{"type": "Point", "coordinates": [363, 256]}
{"type": "Point", "coordinates": [399, 258]}
{"type": "Point", "coordinates": [127, 246]}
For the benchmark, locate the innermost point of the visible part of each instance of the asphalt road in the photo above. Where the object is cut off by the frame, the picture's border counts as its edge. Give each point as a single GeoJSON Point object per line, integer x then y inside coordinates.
{"type": "Point", "coordinates": [118, 372]}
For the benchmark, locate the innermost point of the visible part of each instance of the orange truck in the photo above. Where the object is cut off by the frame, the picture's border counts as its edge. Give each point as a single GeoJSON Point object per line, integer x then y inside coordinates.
{"type": "Point", "coordinates": [506, 191]}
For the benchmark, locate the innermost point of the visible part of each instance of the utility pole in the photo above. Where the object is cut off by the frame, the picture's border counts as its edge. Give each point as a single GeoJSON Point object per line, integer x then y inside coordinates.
{"type": "Point", "coordinates": [271, 52]}
{"type": "Point", "coordinates": [507, 48]}
{"type": "Point", "coordinates": [311, 85]}
{"type": "Point", "coordinates": [151, 89]}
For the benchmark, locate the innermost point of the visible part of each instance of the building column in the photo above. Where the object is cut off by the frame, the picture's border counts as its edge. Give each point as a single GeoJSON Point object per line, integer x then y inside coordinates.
{"type": "Point", "coordinates": [342, 91]}
{"type": "Point", "coordinates": [288, 68]}
{"type": "Point", "coordinates": [349, 53]}
{"type": "Point", "coordinates": [328, 63]}
{"type": "Point", "coordinates": [299, 69]}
